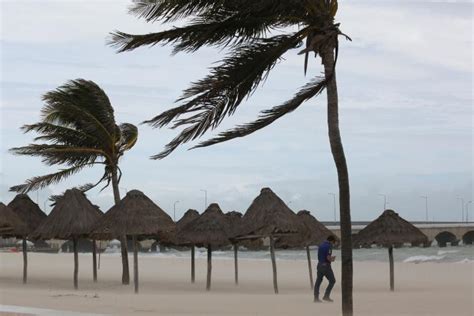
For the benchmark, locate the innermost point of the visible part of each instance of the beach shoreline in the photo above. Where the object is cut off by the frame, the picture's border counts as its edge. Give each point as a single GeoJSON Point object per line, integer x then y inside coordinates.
{"type": "Point", "coordinates": [420, 289]}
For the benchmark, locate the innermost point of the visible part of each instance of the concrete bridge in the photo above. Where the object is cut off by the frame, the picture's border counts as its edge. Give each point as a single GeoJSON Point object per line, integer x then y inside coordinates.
{"type": "Point", "coordinates": [443, 233]}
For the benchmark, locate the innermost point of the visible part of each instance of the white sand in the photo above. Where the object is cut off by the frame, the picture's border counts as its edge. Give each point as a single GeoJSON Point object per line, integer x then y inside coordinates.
{"type": "Point", "coordinates": [165, 288]}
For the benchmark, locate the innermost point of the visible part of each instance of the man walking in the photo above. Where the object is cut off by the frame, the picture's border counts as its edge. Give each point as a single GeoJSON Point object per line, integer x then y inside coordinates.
{"type": "Point", "coordinates": [324, 269]}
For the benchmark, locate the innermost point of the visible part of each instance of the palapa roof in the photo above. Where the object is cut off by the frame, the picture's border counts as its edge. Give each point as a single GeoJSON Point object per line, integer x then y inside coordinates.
{"type": "Point", "coordinates": [189, 216]}
{"type": "Point", "coordinates": [314, 234]}
{"type": "Point", "coordinates": [235, 219]}
{"type": "Point", "coordinates": [72, 216]}
{"type": "Point", "coordinates": [389, 229]}
{"type": "Point", "coordinates": [268, 215]}
{"type": "Point", "coordinates": [134, 215]}
{"type": "Point", "coordinates": [28, 211]}
{"type": "Point", "coordinates": [10, 223]}
{"type": "Point", "coordinates": [211, 227]}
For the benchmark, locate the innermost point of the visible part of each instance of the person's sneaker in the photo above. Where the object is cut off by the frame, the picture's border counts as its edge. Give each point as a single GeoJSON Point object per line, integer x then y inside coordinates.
{"type": "Point", "coordinates": [317, 300]}
{"type": "Point", "coordinates": [327, 299]}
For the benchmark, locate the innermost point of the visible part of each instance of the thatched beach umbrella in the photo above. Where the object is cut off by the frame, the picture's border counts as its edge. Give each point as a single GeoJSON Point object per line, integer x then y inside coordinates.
{"type": "Point", "coordinates": [211, 229]}
{"type": "Point", "coordinates": [189, 216]}
{"type": "Point", "coordinates": [32, 216]}
{"type": "Point", "coordinates": [235, 219]}
{"type": "Point", "coordinates": [387, 230]}
{"type": "Point", "coordinates": [11, 225]}
{"type": "Point", "coordinates": [73, 217]}
{"type": "Point", "coordinates": [314, 234]}
{"type": "Point", "coordinates": [136, 216]}
{"type": "Point", "coordinates": [269, 216]}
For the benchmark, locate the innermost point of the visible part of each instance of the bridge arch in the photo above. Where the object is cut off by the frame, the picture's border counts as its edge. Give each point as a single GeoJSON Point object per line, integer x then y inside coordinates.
{"type": "Point", "coordinates": [445, 237]}
{"type": "Point", "coordinates": [468, 238]}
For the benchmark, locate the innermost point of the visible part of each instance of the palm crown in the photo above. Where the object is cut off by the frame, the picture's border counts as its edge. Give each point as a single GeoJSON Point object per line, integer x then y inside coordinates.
{"type": "Point", "coordinates": [78, 129]}
{"type": "Point", "coordinates": [247, 28]}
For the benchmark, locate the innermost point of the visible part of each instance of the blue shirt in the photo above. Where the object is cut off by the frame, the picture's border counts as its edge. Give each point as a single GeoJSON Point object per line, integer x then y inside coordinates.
{"type": "Point", "coordinates": [324, 250]}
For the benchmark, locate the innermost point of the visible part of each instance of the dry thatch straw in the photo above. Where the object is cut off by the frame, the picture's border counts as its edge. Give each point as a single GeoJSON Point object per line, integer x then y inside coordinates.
{"type": "Point", "coordinates": [28, 211]}
{"type": "Point", "coordinates": [269, 216]}
{"type": "Point", "coordinates": [32, 216]}
{"type": "Point", "coordinates": [211, 229]}
{"type": "Point", "coordinates": [11, 225]}
{"type": "Point", "coordinates": [137, 216]}
{"type": "Point", "coordinates": [73, 217]}
{"type": "Point", "coordinates": [389, 230]}
{"type": "Point", "coordinates": [188, 217]}
{"type": "Point", "coordinates": [314, 234]}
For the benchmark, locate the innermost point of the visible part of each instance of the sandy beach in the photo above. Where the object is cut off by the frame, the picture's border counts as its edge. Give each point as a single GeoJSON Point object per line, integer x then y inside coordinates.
{"type": "Point", "coordinates": [165, 288]}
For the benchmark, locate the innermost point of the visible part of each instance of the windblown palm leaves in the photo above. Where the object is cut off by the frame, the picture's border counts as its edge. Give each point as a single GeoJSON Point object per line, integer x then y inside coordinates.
{"type": "Point", "coordinates": [78, 130]}
{"type": "Point", "coordinates": [256, 35]}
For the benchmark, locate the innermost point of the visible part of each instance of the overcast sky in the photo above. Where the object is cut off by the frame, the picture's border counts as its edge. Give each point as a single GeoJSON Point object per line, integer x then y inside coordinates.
{"type": "Point", "coordinates": [406, 108]}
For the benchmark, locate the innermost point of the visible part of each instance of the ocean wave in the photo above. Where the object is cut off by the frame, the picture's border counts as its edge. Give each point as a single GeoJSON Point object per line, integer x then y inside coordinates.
{"type": "Point", "coordinates": [418, 259]}
{"type": "Point", "coordinates": [444, 252]}
{"type": "Point", "coordinates": [465, 260]}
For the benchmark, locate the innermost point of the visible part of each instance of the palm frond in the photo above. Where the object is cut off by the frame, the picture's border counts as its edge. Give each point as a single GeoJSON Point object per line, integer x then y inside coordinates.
{"type": "Point", "coordinates": [228, 84]}
{"type": "Point", "coordinates": [81, 104]}
{"type": "Point", "coordinates": [40, 182]}
{"type": "Point", "coordinates": [269, 116]}
{"type": "Point", "coordinates": [61, 154]}
{"type": "Point", "coordinates": [58, 134]}
{"type": "Point", "coordinates": [128, 136]}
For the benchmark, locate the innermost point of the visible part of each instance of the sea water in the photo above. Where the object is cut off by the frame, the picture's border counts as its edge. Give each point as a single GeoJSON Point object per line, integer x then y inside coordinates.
{"type": "Point", "coordinates": [455, 254]}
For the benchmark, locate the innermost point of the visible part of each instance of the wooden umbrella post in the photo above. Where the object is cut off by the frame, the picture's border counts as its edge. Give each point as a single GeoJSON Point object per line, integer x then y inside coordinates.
{"type": "Point", "coordinates": [100, 247]}
{"type": "Point", "coordinates": [390, 258]}
{"type": "Point", "coordinates": [76, 262]}
{"type": "Point", "coordinates": [236, 263]}
{"type": "Point", "coordinates": [25, 260]}
{"type": "Point", "coordinates": [310, 269]}
{"type": "Point", "coordinates": [193, 267]}
{"type": "Point", "coordinates": [209, 267]}
{"type": "Point", "coordinates": [94, 260]}
{"type": "Point", "coordinates": [272, 254]}
{"type": "Point", "coordinates": [135, 262]}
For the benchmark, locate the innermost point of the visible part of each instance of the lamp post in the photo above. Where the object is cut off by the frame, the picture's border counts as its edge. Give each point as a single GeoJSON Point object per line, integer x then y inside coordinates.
{"type": "Point", "coordinates": [205, 198]}
{"type": "Point", "coordinates": [174, 211]}
{"type": "Point", "coordinates": [467, 210]}
{"type": "Point", "coordinates": [334, 205]}
{"type": "Point", "coordinates": [384, 201]}
{"type": "Point", "coordinates": [426, 205]}
{"type": "Point", "coordinates": [462, 208]}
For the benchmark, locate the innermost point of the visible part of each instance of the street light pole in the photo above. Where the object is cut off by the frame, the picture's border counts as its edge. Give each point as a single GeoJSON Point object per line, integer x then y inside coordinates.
{"type": "Point", "coordinates": [426, 205]}
{"type": "Point", "coordinates": [334, 205]}
{"type": "Point", "coordinates": [174, 210]}
{"type": "Point", "coordinates": [205, 198]}
{"type": "Point", "coordinates": [462, 208]}
{"type": "Point", "coordinates": [384, 201]}
{"type": "Point", "coordinates": [467, 210]}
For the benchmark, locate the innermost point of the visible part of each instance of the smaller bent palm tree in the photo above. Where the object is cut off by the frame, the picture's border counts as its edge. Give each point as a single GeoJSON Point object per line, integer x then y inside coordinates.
{"type": "Point", "coordinates": [78, 130]}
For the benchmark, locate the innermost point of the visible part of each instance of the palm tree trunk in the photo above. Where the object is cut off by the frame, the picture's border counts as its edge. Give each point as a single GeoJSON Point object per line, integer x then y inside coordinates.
{"type": "Point", "coordinates": [76, 262]}
{"type": "Point", "coordinates": [123, 239]}
{"type": "Point", "coordinates": [25, 260]}
{"type": "Point", "coordinates": [343, 180]}
{"type": "Point", "coordinates": [94, 260]}
{"type": "Point", "coordinates": [310, 268]}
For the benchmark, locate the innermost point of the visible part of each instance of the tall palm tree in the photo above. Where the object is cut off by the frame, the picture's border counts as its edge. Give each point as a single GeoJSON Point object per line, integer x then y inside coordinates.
{"type": "Point", "coordinates": [255, 34]}
{"type": "Point", "coordinates": [78, 129]}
